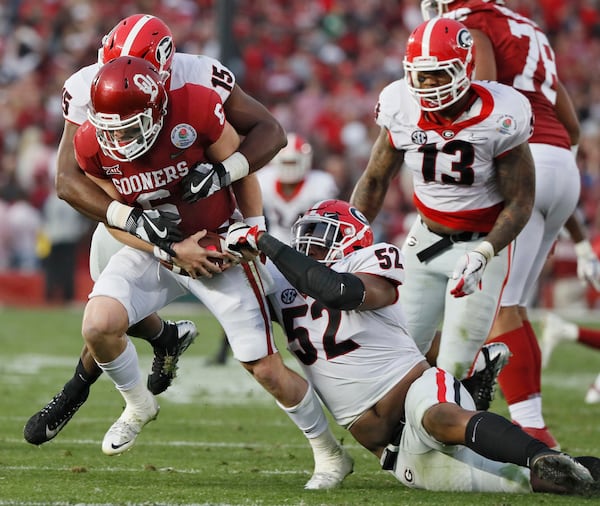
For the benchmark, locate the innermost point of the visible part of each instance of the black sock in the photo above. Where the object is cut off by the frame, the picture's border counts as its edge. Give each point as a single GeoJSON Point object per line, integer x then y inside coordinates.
{"type": "Point", "coordinates": [494, 437]}
{"type": "Point", "coordinates": [81, 380]}
{"type": "Point", "coordinates": [165, 336]}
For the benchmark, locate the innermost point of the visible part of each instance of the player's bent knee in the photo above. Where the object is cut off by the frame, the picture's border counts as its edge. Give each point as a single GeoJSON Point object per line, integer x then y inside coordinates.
{"type": "Point", "coordinates": [447, 422]}
{"type": "Point", "coordinates": [268, 371]}
{"type": "Point", "coordinates": [103, 318]}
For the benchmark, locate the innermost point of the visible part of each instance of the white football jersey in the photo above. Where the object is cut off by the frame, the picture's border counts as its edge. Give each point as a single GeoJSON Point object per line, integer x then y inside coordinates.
{"type": "Point", "coordinates": [186, 69]}
{"type": "Point", "coordinates": [453, 165]}
{"type": "Point", "coordinates": [281, 211]}
{"type": "Point", "coordinates": [352, 358]}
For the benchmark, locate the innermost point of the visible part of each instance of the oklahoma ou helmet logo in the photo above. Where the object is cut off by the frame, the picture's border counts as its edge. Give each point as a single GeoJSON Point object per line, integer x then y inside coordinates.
{"type": "Point", "coordinates": [146, 85]}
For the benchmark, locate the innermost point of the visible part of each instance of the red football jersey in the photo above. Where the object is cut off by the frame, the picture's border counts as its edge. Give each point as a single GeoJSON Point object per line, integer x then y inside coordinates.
{"type": "Point", "coordinates": [195, 119]}
{"type": "Point", "coordinates": [524, 60]}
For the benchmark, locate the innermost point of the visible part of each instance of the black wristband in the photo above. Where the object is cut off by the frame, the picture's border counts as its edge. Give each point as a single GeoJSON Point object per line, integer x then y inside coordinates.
{"type": "Point", "coordinates": [336, 290]}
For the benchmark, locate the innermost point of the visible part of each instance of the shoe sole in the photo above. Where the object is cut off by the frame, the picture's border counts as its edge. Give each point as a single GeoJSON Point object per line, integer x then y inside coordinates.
{"type": "Point", "coordinates": [564, 472]}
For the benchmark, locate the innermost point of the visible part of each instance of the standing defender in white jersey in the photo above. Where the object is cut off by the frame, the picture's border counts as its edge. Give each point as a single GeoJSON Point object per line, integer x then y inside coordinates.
{"type": "Point", "coordinates": [465, 144]}
{"type": "Point", "coordinates": [336, 296]}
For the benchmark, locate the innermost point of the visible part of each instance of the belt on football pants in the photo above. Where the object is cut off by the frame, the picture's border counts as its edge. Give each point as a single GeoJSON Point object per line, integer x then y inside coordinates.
{"type": "Point", "coordinates": [445, 242]}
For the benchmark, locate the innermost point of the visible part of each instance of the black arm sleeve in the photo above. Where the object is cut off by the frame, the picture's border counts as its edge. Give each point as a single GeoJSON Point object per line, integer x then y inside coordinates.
{"type": "Point", "coordinates": [334, 289]}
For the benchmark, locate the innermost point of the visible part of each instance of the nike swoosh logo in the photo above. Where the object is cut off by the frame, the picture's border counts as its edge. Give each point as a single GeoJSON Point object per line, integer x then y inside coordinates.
{"type": "Point", "coordinates": [196, 188]}
{"type": "Point", "coordinates": [162, 233]}
{"type": "Point", "coordinates": [51, 433]}
{"type": "Point", "coordinates": [116, 447]}
{"type": "Point", "coordinates": [179, 153]}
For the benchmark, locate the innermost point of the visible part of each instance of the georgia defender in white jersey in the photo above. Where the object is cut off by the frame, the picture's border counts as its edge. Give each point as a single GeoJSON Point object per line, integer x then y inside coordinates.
{"type": "Point", "coordinates": [289, 186]}
{"type": "Point", "coordinates": [466, 147]}
{"type": "Point", "coordinates": [513, 50]}
{"type": "Point", "coordinates": [335, 293]}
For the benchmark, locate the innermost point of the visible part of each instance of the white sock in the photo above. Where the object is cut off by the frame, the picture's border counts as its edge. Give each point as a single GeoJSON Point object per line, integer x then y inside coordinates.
{"type": "Point", "coordinates": [308, 415]}
{"type": "Point", "coordinates": [124, 370]}
{"type": "Point", "coordinates": [528, 413]}
{"type": "Point", "coordinates": [310, 418]}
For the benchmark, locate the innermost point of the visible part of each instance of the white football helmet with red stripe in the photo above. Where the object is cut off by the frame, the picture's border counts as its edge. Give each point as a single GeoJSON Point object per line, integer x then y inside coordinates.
{"type": "Point", "coordinates": [439, 45]}
{"type": "Point", "coordinates": [143, 36]}
{"type": "Point", "coordinates": [294, 161]}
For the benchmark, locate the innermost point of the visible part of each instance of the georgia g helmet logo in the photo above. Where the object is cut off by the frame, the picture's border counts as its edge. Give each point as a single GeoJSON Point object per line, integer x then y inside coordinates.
{"type": "Point", "coordinates": [164, 50]}
{"type": "Point", "coordinates": [146, 85]}
{"type": "Point", "coordinates": [464, 39]}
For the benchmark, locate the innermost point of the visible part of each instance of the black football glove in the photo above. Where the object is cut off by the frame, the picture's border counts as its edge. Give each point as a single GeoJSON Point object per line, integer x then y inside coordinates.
{"type": "Point", "coordinates": [203, 180]}
{"type": "Point", "coordinates": [154, 226]}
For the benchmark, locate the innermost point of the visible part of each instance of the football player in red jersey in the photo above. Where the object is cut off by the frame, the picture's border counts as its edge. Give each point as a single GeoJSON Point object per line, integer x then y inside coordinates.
{"type": "Point", "coordinates": [147, 36]}
{"type": "Point", "coordinates": [417, 419]}
{"type": "Point", "coordinates": [465, 144]}
{"type": "Point", "coordinates": [513, 50]}
{"type": "Point", "coordinates": [126, 148]}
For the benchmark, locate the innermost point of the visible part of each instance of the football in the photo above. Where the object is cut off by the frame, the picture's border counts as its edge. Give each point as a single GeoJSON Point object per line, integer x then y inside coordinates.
{"type": "Point", "coordinates": [214, 242]}
{"type": "Point", "coordinates": [211, 241]}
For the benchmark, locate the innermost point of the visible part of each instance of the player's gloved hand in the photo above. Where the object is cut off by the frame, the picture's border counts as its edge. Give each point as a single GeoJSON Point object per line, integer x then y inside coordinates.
{"type": "Point", "coordinates": [151, 225]}
{"type": "Point", "coordinates": [588, 265]}
{"type": "Point", "coordinates": [469, 269]}
{"type": "Point", "coordinates": [154, 226]}
{"type": "Point", "coordinates": [203, 180]}
{"type": "Point", "coordinates": [241, 236]}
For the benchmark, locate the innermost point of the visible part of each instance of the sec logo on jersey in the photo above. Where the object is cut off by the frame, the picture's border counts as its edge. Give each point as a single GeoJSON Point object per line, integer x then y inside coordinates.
{"type": "Point", "coordinates": [289, 295]}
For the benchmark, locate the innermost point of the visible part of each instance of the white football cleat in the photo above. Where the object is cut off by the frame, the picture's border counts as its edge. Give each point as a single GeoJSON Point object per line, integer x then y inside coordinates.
{"type": "Point", "coordinates": [122, 434]}
{"type": "Point", "coordinates": [330, 473]}
{"type": "Point", "coordinates": [555, 330]}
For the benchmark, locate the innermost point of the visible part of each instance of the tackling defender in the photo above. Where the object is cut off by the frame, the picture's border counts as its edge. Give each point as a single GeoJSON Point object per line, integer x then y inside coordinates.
{"type": "Point", "coordinates": [335, 293]}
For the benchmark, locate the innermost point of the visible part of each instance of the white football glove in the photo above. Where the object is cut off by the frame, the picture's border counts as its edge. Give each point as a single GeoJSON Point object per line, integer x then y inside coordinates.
{"type": "Point", "coordinates": [240, 236]}
{"type": "Point", "coordinates": [588, 265]}
{"type": "Point", "coordinates": [469, 269]}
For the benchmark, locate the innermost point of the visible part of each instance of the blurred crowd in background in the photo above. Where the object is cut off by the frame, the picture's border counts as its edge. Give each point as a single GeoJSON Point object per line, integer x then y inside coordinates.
{"type": "Point", "coordinates": [318, 65]}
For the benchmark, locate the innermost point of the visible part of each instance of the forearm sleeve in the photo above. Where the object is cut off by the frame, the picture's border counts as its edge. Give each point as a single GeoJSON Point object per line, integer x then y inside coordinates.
{"type": "Point", "coordinates": [334, 289]}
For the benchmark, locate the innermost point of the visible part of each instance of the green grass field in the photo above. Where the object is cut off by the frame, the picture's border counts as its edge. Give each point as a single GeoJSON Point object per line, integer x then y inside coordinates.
{"type": "Point", "coordinates": [219, 439]}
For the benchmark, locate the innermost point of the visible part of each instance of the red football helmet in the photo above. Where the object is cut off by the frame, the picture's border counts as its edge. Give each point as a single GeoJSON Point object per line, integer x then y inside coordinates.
{"type": "Point", "coordinates": [294, 161]}
{"type": "Point", "coordinates": [334, 226]}
{"type": "Point", "coordinates": [128, 106]}
{"type": "Point", "coordinates": [143, 36]}
{"type": "Point", "coordinates": [434, 8]}
{"type": "Point", "coordinates": [440, 44]}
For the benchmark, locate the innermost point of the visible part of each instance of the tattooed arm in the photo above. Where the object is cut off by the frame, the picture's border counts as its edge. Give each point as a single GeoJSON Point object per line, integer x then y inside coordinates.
{"type": "Point", "coordinates": [516, 179]}
{"type": "Point", "coordinates": [384, 164]}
